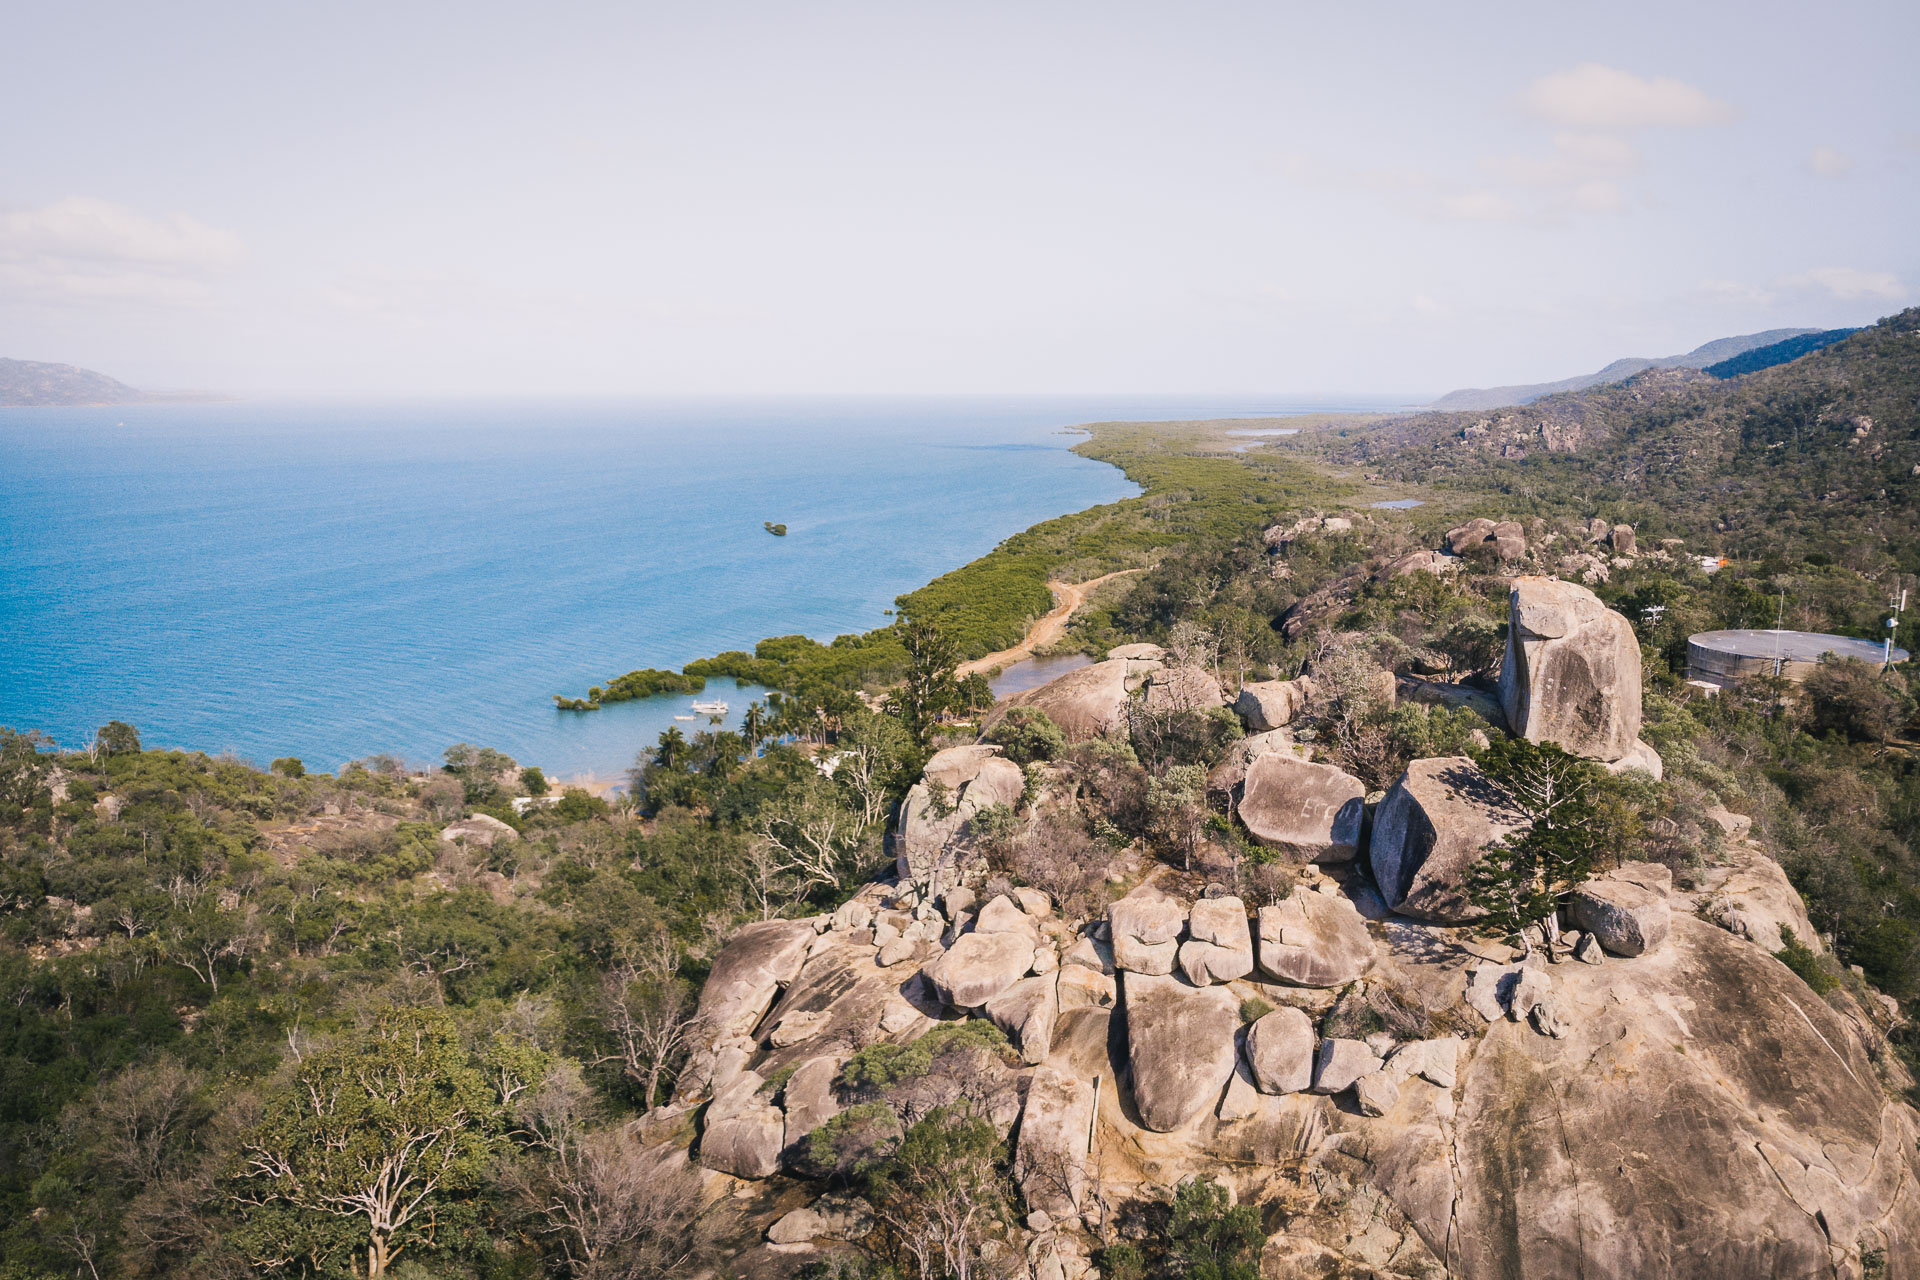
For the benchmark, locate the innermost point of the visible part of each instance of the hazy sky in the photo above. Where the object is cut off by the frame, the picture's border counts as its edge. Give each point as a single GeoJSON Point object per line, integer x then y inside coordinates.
{"type": "Point", "coordinates": [1102, 197]}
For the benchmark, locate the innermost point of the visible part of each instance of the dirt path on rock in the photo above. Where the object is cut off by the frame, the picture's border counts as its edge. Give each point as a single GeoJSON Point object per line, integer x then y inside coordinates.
{"type": "Point", "coordinates": [1067, 596]}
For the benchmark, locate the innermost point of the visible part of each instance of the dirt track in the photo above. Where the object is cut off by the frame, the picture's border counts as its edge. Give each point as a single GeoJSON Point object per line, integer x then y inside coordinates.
{"type": "Point", "coordinates": [1067, 596]}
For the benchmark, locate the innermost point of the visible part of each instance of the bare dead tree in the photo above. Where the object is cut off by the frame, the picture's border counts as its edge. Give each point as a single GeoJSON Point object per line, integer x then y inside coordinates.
{"type": "Point", "coordinates": [647, 1011]}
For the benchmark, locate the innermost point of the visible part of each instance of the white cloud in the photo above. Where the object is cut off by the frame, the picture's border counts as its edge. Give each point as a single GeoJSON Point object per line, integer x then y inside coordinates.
{"type": "Point", "coordinates": [1849, 284]}
{"type": "Point", "coordinates": [1592, 96]}
{"type": "Point", "coordinates": [1827, 162]}
{"type": "Point", "coordinates": [1576, 159]}
{"type": "Point", "coordinates": [83, 250]}
{"type": "Point", "coordinates": [1477, 206]}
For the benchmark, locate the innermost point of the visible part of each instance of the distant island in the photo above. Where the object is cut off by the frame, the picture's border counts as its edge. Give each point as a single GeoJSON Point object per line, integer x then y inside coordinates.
{"type": "Point", "coordinates": [30, 384]}
{"type": "Point", "coordinates": [777, 530]}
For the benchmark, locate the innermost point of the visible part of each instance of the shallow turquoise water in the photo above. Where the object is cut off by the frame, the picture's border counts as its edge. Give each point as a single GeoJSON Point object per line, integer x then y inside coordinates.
{"type": "Point", "coordinates": [335, 580]}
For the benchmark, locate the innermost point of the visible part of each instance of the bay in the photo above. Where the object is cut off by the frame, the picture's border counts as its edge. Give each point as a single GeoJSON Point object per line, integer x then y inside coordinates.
{"type": "Point", "coordinates": [332, 580]}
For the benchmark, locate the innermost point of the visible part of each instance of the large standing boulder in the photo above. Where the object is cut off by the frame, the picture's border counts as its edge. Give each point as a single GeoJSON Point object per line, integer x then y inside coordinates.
{"type": "Point", "coordinates": [1146, 930]}
{"type": "Point", "coordinates": [1314, 939]}
{"type": "Point", "coordinates": [1313, 811]}
{"type": "Point", "coordinates": [1462, 538]}
{"type": "Point", "coordinates": [1571, 674]}
{"type": "Point", "coordinates": [1087, 702]}
{"type": "Point", "coordinates": [1219, 947]}
{"type": "Point", "coordinates": [1436, 822]}
{"type": "Point", "coordinates": [978, 967]}
{"type": "Point", "coordinates": [1280, 1048]}
{"type": "Point", "coordinates": [1180, 1043]}
{"type": "Point", "coordinates": [956, 785]}
{"type": "Point", "coordinates": [1270, 704]}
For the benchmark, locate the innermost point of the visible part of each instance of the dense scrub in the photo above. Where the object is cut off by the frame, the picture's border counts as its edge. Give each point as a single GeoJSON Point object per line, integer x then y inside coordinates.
{"type": "Point", "coordinates": [195, 950]}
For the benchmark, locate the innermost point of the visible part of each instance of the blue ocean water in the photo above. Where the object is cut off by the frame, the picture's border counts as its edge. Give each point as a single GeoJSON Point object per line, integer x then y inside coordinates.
{"type": "Point", "coordinates": [331, 580]}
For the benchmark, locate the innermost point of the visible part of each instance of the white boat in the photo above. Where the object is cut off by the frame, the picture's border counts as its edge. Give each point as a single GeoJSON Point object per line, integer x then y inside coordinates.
{"type": "Point", "coordinates": [688, 719]}
{"type": "Point", "coordinates": [711, 708]}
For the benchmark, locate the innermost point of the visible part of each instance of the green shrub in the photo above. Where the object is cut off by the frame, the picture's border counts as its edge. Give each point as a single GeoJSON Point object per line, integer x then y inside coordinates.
{"type": "Point", "coordinates": [1805, 961]}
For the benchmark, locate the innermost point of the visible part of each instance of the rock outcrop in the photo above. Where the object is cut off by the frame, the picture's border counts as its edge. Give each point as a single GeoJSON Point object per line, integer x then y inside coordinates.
{"type": "Point", "coordinates": [1226, 776]}
{"type": "Point", "coordinates": [1312, 811]}
{"type": "Point", "coordinates": [978, 967]}
{"type": "Point", "coordinates": [1437, 820]}
{"type": "Point", "coordinates": [957, 784]}
{"type": "Point", "coordinates": [1571, 674]}
{"type": "Point", "coordinates": [1313, 939]}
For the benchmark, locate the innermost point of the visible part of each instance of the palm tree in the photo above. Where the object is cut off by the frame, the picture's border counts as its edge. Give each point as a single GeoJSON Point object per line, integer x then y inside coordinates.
{"type": "Point", "coordinates": [753, 725]}
{"type": "Point", "coordinates": [672, 748]}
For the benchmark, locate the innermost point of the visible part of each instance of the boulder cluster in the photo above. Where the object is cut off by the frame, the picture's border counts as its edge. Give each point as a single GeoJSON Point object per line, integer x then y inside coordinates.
{"type": "Point", "coordinates": [1183, 1031]}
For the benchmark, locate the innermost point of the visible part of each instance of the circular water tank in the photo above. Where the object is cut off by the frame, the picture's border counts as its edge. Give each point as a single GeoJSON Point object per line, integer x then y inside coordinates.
{"type": "Point", "coordinates": [1726, 656]}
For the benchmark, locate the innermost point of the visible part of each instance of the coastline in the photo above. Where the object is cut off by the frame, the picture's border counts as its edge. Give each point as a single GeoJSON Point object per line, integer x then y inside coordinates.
{"type": "Point", "coordinates": [1197, 478]}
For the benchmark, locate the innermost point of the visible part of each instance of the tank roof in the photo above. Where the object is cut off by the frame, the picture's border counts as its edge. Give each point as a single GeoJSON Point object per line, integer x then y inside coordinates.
{"type": "Point", "coordinates": [1791, 646]}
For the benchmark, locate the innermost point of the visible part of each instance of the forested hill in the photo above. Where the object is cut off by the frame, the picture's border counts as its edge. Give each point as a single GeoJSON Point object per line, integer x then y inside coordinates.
{"type": "Point", "coordinates": [26, 384]}
{"type": "Point", "coordinates": [1816, 457]}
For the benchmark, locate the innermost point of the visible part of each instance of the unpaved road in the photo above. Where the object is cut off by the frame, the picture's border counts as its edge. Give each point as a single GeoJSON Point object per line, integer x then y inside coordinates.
{"type": "Point", "coordinates": [1067, 596]}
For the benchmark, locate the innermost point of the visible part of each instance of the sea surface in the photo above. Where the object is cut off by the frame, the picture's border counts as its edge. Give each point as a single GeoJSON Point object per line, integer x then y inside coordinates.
{"type": "Point", "coordinates": [335, 580]}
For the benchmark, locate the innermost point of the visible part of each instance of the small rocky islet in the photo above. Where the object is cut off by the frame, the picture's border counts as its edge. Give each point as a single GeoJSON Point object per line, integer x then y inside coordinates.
{"type": "Point", "coordinates": [1644, 1090]}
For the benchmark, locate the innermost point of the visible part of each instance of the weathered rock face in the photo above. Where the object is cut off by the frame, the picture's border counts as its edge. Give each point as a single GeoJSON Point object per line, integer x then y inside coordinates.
{"type": "Point", "coordinates": [1640, 756]}
{"type": "Point", "coordinates": [1571, 674]}
{"type": "Point", "coordinates": [1138, 652]}
{"type": "Point", "coordinates": [1220, 946]}
{"type": "Point", "coordinates": [1752, 898]}
{"type": "Point", "coordinates": [1313, 811]}
{"type": "Point", "coordinates": [748, 973]}
{"type": "Point", "coordinates": [1766, 1148]}
{"type": "Point", "coordinates": [1313, 939]}
{"type": "Point", "coordinates": [971, 779]}
{"type": "Point", "coordinates": [1627, 918]}
{"type": "Point", "coordinates": [1146, 929]}
{"type": "Point", "coordinates": [1434, 824]}
{"type": "Point", "coordinates": [1622, 539]}
{"type": "Point", "coordinates": [1434, 562]}
{"type": "Point", "coordinates": [1085, 703]}
{"type": "Point", "coordinates": [1026, 1012]}
{"type": "Point", "coordinates": [1232, 769]}
{"type": "Point", "coordinates": [1338, 1063]}
{"type": "Point", "coordinates": [743, 1133]}
{"type": "Point", "coordinates": [1180, 1044]}
{"type": "Point", "coordinates": [1269, 704]}
{"type": "Point", "coordinates": [1280, 1051]}
{"type": "Point", "coordinates": [1051, 1160]}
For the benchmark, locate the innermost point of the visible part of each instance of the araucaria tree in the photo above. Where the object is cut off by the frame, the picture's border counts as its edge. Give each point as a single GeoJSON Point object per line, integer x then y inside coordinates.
{"type": "Point", "coordinates": [929, 691]}
{"type": "Point", "coordinates": [368, 1147]}
{"type": "Point", "coordinates": [1523, 878]}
